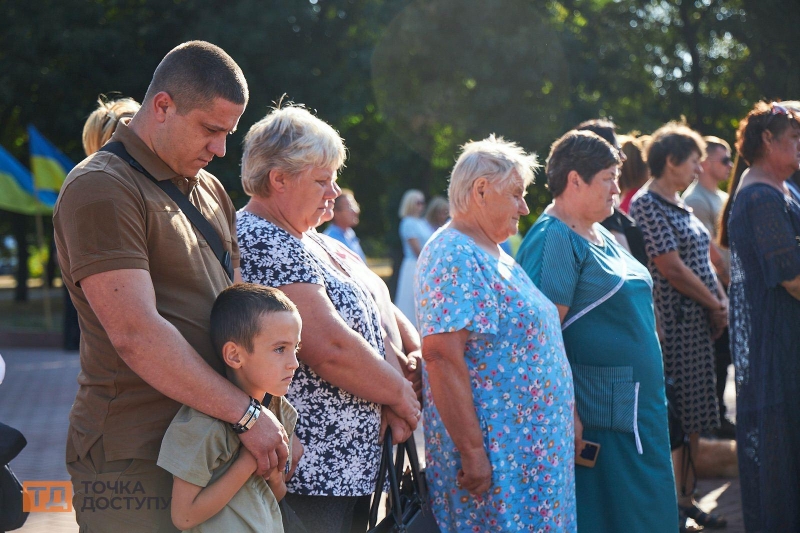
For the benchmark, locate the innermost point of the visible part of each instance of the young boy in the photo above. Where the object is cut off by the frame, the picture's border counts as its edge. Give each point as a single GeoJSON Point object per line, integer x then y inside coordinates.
{"type": "Point", "coordinates": [256, 331]}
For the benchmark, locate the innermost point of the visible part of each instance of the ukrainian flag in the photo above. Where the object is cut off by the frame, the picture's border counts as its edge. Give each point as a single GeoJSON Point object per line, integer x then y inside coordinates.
{"type": "Point", "coordinates": [49, 166]}
{"type": "Point", "coordinates": [16, 188]}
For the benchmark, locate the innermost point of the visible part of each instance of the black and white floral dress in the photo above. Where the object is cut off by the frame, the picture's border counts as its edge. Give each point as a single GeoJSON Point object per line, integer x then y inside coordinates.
{"type": "Point", "coordinates": [338, 430]}
{"type": "Point", "coordinates": [688, 348]}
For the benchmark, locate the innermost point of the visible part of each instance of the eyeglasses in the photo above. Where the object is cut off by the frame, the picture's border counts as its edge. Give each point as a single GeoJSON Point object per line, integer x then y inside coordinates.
{"type": "Point", "coordinates": [725, 160]}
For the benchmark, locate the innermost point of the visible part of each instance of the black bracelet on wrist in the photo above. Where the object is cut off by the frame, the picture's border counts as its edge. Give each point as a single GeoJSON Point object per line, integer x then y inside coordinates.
{"type": "Point", "coordinates": [248, 418]}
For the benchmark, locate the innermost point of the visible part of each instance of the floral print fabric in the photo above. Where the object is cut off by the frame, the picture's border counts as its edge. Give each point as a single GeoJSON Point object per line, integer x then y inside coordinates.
{"type": "Point", "coordinates": [338, 430]}
{"type": "Point", "coordinates": [522, 391]}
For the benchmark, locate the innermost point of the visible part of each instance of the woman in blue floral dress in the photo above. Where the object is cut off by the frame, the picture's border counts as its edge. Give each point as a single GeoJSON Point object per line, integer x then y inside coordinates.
{"type": "Point", "coordinates": [499, 402]}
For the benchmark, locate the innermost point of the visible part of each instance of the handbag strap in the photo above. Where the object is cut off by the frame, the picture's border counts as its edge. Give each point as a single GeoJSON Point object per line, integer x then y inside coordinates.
{"type": "Point", "coordinates": [192, 213]}
{"type": "Point", "coordinates": [416, 472]}
{"type": "Point", "coordinates": [387, 465]}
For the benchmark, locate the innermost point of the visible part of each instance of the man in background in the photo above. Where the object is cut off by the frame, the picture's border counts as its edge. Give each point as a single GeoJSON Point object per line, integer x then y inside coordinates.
{"type": "Point", "coordinates": [345, 217]}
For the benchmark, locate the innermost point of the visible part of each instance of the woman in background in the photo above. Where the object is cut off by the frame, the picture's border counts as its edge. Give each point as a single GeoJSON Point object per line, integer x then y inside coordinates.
{"type": "Point", "coordinates": [438, 213]}
{"type": "Point", "coordinates": [414, 233]}
{"type": "Point", "coordinates": [763, 232]}
{"type": "Point", "coordinates": [690, 302]}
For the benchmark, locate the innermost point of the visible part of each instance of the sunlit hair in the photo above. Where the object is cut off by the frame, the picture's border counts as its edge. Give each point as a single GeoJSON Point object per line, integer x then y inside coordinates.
{"type": "Point", "coordinates": [763, 117]}
{"type": "Point", "coordinates": [585, 152]}
{"type": "Point", "coordinates": [290, 140]}
{"type": "Point", "coordinates": [713, 143]}
{"type": "Point", "coordinates": [674, 141]}
{"type": "Point", "coordinates": [603, 127]}
{"type": "Point", "coordinates": [343, 197]}
{"type": "Point", "coordinates": [435, 206]}
{"type": "Point", "coordinates": [407, 202]}
{"type": "Point", "coordinates": [493, 158]}
{"type": "Point", "coordinates": [195, 73]}
{"type": "Point", "coordinates": [103, 121]}
{"type": "Point", "coordinates": [634, 172]}
{"type": "Point", "coordinates": [237, 312]}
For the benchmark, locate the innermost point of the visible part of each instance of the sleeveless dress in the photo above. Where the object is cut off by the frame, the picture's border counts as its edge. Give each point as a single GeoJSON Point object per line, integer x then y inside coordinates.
{"type": "Point", "coordinates": [611, 342]}
{"type": "Point", "coordinates": [521, 387]}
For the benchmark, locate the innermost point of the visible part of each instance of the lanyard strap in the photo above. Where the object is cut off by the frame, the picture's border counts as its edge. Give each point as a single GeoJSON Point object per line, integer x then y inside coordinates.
{"type": "Point", "coordinates": [192, 213]}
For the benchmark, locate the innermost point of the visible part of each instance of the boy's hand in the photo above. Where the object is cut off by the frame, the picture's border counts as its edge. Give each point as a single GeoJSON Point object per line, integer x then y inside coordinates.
{"type": "Point", "coordinates": [297, 454]}
{"type": "Point", "coordinates": [247, 459]}
{"type": "Point", "coordinates": [268, 442]}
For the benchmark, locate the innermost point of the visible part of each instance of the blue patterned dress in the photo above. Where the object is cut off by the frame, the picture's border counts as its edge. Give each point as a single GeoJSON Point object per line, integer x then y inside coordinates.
{"type": "Point", "coordinates": [522, 391]}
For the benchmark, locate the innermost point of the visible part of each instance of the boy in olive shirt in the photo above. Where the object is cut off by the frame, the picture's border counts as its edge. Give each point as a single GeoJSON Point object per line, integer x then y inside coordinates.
{"type": "Point", "coordinates": [256, 332]}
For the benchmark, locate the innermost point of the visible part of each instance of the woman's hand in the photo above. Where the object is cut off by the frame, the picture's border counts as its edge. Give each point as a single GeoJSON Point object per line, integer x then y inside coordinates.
{"type": "Point", "coordinates": [475, 475]}
{"type": "Point", "coordinates": [413, 372]}
{"type": "Point", "coordinates": [401, 431]}
{"type": "Point", "coordinates": [719, 320]}
{"type": "Point", "coordinates": [578, 431]}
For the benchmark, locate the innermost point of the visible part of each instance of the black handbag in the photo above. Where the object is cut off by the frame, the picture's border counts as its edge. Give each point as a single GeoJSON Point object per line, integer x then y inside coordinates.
{"type": "Point", "coordinates": [677, 436]}
{"type": "Point", "coordinates": [11, 514]}
{"type": "Point", "coordinates": [409, 510]}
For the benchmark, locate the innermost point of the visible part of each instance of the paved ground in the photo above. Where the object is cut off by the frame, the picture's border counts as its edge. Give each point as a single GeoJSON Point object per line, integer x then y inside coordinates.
{"type": "Point", "coordinates": [40, 387]}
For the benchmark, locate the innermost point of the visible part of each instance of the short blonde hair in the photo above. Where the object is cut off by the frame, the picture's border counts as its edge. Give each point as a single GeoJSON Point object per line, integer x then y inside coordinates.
{"type": "Point", "coordinates": [289, 139]}
{"type": "Point", "coordinates": [102, 123]}
{"type": "Point", "coordinates": [410, 197]}
{"type": "Point", "coordinates": [493, 158]}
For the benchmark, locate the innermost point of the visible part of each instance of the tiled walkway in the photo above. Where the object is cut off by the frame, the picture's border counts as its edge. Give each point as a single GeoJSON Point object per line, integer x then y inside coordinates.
{"type": "Point", "coordinates": [40, 386]}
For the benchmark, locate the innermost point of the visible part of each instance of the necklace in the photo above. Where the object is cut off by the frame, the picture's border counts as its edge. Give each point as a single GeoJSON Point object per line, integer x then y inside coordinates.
{"type": "Point", "coordinates": [586, 232]}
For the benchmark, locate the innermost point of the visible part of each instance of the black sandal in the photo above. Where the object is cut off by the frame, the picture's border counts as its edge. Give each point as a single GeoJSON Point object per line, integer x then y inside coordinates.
{"type": "Point", "coordinates": [711, 521]}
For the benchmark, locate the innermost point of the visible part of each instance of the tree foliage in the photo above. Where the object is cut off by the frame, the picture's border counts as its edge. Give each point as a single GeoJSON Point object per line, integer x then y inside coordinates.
{"type": "Point", "coordinates": [407, 82]}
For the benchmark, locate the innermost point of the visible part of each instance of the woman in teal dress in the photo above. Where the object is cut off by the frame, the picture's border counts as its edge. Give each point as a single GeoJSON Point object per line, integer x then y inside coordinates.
{"type": "Point", "coordinates": [499, 402]}
{"type": "Point", "coordinates": [604, 299]}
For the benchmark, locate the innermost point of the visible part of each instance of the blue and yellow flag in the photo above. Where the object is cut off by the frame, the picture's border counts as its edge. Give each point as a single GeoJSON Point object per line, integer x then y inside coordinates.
{"type": "Point", "coordinates": [49, 166]}
{"type": "Point", "coordinates": [16, 188]}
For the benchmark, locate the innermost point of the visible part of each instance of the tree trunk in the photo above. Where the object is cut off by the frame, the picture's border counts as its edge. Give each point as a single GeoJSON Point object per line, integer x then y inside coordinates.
{"type": "Point", "coordinates": [19, 224]}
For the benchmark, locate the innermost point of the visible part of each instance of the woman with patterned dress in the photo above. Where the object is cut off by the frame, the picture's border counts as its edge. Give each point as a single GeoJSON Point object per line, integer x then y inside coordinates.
{"type": "Point", "coordinates": [499, 403]}
{"type": "Point", "coordinates": [604, 298]}
{"type": "Point", "coordinates": [690, 302]}
{"type": "Point", "coordinates": [343, 386]}
{"type": "Point", "coordinates": [763, 232]}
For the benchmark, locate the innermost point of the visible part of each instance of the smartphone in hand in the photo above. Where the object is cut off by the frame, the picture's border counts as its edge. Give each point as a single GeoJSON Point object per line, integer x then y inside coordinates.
{"type": "Point", "coordinates": [587, 454]}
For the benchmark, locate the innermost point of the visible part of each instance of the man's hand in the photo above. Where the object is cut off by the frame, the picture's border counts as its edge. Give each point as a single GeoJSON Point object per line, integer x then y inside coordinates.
{"type": "Point", "coordinates": [401, 431]}
{"type": "Point", "coordinates": [475, 475]}
{"type": "Point", "coordinates": [407, 406]}
{"type": "Point", "coordinates": [268, 442]}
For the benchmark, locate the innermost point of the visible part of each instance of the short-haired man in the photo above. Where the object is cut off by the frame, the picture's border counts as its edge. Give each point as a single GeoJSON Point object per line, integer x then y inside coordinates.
{"type": "Point", "coordinates": [707, 200]}
{"type": "Point", "coordinates": [345, 217]}
{"type": "Point", "coordinates": [143, 280]}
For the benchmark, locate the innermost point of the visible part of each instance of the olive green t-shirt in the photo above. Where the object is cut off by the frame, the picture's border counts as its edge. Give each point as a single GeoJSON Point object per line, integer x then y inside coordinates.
{"type": "Point", "coordinates": [199, 449]}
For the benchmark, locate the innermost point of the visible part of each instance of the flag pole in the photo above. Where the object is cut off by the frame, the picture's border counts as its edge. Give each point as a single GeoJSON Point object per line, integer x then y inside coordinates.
{"type": "Point", "coordinates": [48, 311]}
